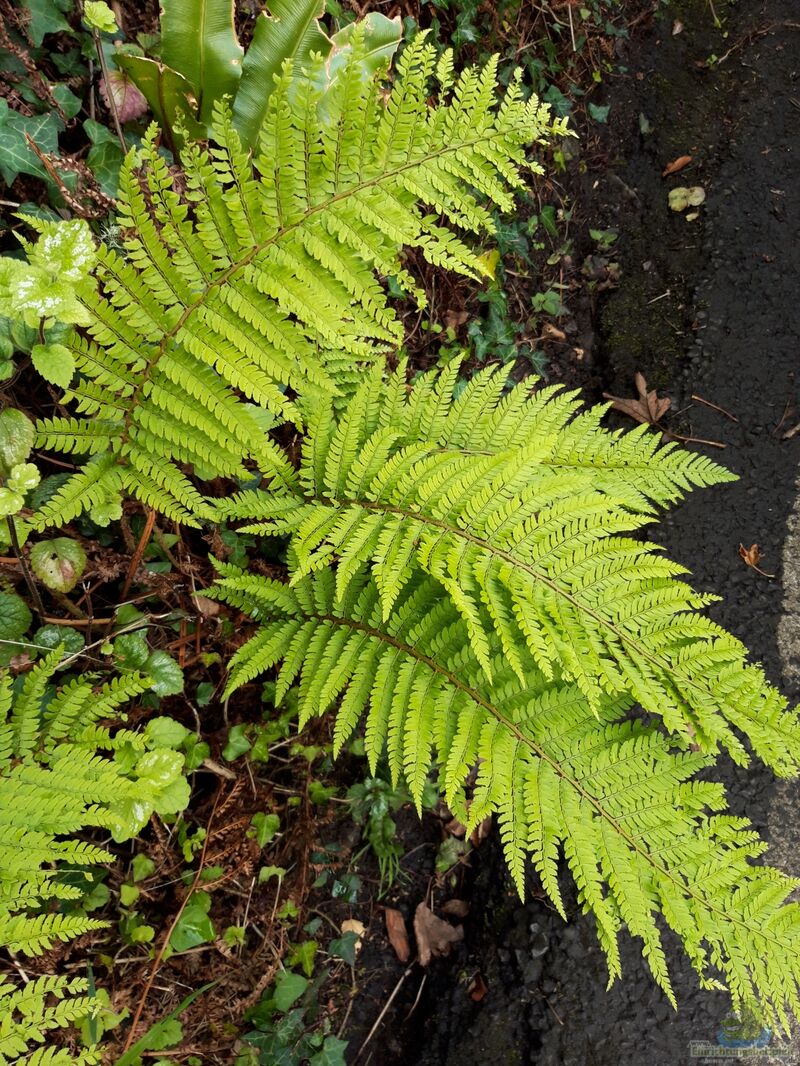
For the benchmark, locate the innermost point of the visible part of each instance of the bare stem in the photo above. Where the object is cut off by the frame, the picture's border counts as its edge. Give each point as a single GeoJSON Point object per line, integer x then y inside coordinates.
{"type": "Point", "coordinates": [26, 570]}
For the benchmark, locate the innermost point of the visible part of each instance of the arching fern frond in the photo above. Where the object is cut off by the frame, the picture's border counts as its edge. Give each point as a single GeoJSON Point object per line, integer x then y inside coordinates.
{"type": "Point", "coordinates": [641, 834]}
{"type": "Point", "coordinates": [521, 513]}
{"type": "Point", "coordinates": [262, 285]}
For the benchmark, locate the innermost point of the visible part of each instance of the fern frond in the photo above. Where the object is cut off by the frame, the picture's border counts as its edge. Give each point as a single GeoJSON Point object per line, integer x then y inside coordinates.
{"type": "Point", "coordinates": [260, 286]}
{"type": "Point", "coordinates": [620, 799]}
{"type": "Point", "coordinates": [521, 513]}
{"type": "Point", "coordinates": [30, 1012]}
{"type": "Point", "coordinates": [56, 781]}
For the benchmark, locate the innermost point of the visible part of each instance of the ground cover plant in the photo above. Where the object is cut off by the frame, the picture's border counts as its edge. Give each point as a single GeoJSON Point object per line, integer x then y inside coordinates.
{"type": "Point", "coordinates": [444, 568]}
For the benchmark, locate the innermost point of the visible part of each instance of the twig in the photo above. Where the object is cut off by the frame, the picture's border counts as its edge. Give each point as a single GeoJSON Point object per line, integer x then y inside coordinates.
{"type": "Point", "coordinates": [112, 103]}
{"type": "Point", "coordinates": [172, 926]}
{"type": "Point", "coordinates": [694, 440]}
{"type": "Point", "coordinates": [136, 559]}
{"type": "Point", "coordinates": [571, 28]}
{"type": "Point", "coordinates": [715, 407]}
{"type": "Point", "coordinates": [26, 570]}
{"type": "Point", "coordinates": [383, 1013]}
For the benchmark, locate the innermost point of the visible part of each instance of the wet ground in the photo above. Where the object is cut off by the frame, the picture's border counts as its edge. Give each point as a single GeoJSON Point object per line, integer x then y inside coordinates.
{"type": "Point", "coordinates": [707, 308]}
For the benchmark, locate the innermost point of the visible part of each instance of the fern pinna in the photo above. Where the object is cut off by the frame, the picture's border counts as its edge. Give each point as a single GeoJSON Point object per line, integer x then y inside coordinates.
{"type": "Point", "coordinates": [255, 294]}
{"type": "Point", "coordinates": [62, 771]}
{"type": "Point", "coordinates": [461, 576]}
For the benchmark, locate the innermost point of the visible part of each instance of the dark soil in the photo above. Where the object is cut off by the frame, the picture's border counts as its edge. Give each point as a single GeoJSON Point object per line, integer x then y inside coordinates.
{"type": "Point", "coordinates": [704, 308]}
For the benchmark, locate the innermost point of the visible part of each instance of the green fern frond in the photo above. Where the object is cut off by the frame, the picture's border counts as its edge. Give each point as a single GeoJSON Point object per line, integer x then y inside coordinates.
{"type": "Point", "coordinates": [30, 1012]}
{"type": "Point", "coordinates": [61, 772]}
{"type": "Point", "coordinates": [521, 513]}
{"type": "Point", "coordinates": [641, 834]}
{"type": "Point", "coordinates": [260, 286]}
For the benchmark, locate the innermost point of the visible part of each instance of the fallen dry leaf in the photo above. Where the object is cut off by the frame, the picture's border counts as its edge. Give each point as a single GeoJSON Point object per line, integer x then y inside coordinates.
{"type": "Point", "coordinates": [477, 988]}
{"type": "Point", "coordinates": [435, 937]}
{"type": "Point", "coordinates": [455, 828]}
{"type": "Point", "coordinates": [647, 408]}
{"type": "Point", "coordinates": [553, 333]}
{"type": "Point", "coordinates": [456, 908]}
{"type": "Point", "coordinates": [752, 557]}
{"type": "Point", "coordinates": [396, 931]}
{"type": "Point", "coordinates": [677, 27]}
{"type": "Point", "coordinates": [481, 832]}
{"type": "Point", "coordinates": [454, 319]}
{"type": "Point", "coordinates": [676, 165]}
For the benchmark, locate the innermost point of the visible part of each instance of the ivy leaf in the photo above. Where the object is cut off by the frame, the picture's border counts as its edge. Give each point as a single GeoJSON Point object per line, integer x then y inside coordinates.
{"type": "Point", "coordinates": [105, 156]}
{"type": "Point", "coordinates": [599, 112]}
{"type": "Point", "coordinates": [69, 103]}
{"type": "Point", "coordinates": [46, 16]}
{"type": "Point", "coordinates": [17, 157]}
{"type": "Point", "coordinates": [194, 926]}
{"type": "Point", "coordinates": [58, 563]}
{"type": "Point", "coordinates": [54, 362]}
{"type": "Point", "coordinates": [98, 16]}
{"type": "Point", "coordinates": [15, 619]}
{"type": "Point", "coordinates": [264, 827]}
{"type": "Point", "coordinates": [289, 987]}
{"type": "Point", "coordinates": [166, 674]}
{"type": "Point", "coordinates": [16, 439]}
{"type": "Point", "coordinates": [331, 1054]}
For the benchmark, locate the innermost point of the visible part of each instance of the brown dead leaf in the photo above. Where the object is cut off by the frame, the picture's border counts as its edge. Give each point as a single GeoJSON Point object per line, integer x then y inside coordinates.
{"type": "Point", "coordinates": [396, 931]}
{"type": "Point", "coordinates": [455, 828]}
{"type": "Point", "coordinates": [481, 832]}
{"type": "Point", "coordinates": [752, 557]}
{"type": "Point", "coordinates": [676, 165]}
{"type": "Point", "coordinates": [477, 988]}
{"type": "Point", "coordinates": [456, 908]}
{"type": "Point", "coordinates": [647, 408]}
{"type": "Point", "coordinates": [454, 319]}
{"type": "Point", "coordinates": [553, 333]}
{"type": "Point", "coordinates": [435, 937]}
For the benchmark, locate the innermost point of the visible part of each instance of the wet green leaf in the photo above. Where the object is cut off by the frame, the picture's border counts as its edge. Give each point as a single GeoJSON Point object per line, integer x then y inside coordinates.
{"type": "Point", "coordinates": [17, 157]}
{"type": "Point", "coordinates": [54, 362]}
{"type": "Point", "coordinates": [166, 674]}
{"type": "Point", "coordinates": [194, 926]}
{"type": "Point", "coordinates": [16, 439]}
{"type": "Point", "coordinates": [289, 987]}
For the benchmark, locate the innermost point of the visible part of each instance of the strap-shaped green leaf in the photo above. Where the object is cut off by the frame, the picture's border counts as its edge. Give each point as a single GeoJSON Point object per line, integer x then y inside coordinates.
{"type": "Point", "coordinates": [198, 40]}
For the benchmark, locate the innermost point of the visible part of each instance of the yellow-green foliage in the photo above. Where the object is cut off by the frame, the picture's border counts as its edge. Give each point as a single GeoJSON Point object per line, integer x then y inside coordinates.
{"type": "Point", "coordinates": [59, 775]}
{"type": "Point", "coordinates": [462, 579]}
{"type": "Point", "coordinates": [263, 278]}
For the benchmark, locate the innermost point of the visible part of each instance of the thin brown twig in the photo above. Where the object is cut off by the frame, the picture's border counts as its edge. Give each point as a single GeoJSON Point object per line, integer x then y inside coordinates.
{"type": "Point", "coordinates": [715, 407]}
{"type": "Point", "coordinates": [383, 1013]}
{"type": "Point", "coordinates": [172, 926]}
{"type": "Point", "coordinates": [137, 556]}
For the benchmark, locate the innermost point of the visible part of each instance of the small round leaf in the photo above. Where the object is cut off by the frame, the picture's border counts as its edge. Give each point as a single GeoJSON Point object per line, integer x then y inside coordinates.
{"type": "Point", "coordinates": [58, 563]}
